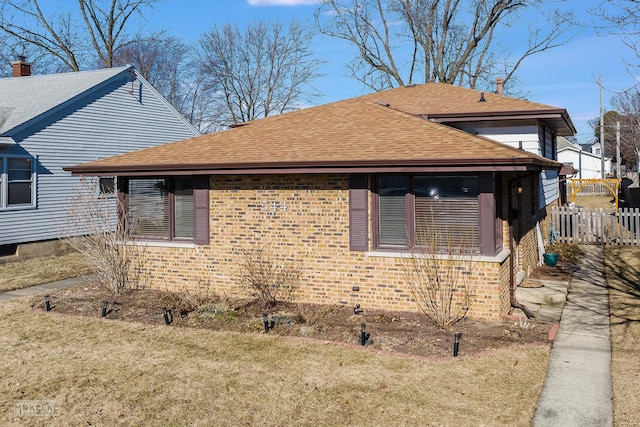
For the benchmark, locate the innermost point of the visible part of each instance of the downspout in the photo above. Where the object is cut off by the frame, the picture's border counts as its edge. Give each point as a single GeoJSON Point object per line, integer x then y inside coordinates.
{"type": "Point", "coordinates": [512, 280]}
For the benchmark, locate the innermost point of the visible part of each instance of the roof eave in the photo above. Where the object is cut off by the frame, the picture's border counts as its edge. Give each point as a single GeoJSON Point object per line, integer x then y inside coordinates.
{"type": "Point", "coordinates": [451, 165]}
{"type": "Point", "coordinates": [552, 114]}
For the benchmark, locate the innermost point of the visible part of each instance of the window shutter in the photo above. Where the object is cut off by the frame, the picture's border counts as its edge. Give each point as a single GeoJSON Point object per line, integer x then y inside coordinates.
{"type": "Point", "coordinates": [201, 209]}
{"type": "Point", "coordinates": [358, 213]}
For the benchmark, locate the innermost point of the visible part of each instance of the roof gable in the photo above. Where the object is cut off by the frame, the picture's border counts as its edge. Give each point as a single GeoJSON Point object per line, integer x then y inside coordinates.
{"type": "Point", "coordinates": [28, 99]}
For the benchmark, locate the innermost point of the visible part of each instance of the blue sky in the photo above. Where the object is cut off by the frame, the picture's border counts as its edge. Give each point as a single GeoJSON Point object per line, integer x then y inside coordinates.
{"type": "Point", "coordinates": [565, 77]}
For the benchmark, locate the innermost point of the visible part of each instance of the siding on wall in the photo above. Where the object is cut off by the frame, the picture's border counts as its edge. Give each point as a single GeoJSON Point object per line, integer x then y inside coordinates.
{"type": "Point", "coordinates": [513, 136]}
{"type": "Point", "coordinates": [589, 165]}
{"type": "Point", "coordinates": [549, 187]}
{"type": "Point", "coordinates": [113, 121]}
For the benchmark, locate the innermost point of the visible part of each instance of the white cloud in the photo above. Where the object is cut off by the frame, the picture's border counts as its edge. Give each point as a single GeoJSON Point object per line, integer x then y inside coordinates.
{"type": "Point", "coordinates": [281, 2]}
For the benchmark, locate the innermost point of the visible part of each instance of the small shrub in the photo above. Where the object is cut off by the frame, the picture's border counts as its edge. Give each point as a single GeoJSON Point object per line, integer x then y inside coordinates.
{"type": "Point", "coordinates": [94, 229]}
{"type": "Point", "coordinates": [269, 276]}
{"type": "Point", "coordinates": [439, 273]}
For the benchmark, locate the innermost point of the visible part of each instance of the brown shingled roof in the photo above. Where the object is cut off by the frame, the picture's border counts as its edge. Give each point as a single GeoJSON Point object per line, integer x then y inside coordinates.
{"type": "Point", "coordinates": [356, 134]}
{"type": "Point", "coordinates": [447, 103]}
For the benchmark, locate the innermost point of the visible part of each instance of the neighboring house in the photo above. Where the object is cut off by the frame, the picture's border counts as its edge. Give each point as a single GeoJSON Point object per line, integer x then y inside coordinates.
{"type": "Point", "coordinates": [351, 187]}
{"type": "Point", "coordinates": [588, 164]}
{"type": "Point", "coordinates": [50, 121]}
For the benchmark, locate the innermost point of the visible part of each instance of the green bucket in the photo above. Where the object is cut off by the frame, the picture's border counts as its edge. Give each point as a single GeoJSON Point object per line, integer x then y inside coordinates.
{"type": "Point", "coordinates": [550, 259]}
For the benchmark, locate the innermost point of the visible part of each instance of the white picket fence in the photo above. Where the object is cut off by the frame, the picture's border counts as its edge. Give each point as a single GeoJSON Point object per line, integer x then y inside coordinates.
{"type": "Point", "coordinates": [596, 225]}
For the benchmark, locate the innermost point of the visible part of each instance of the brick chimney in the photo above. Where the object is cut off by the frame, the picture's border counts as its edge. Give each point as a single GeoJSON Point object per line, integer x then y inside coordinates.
{"type": "Point", "coordinates": [499, 85]}
{"type": "Point", "coordinates": [21, 68]}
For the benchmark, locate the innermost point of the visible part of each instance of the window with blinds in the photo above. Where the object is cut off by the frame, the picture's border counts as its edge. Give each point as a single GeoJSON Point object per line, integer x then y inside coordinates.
{"type": "Point", "coordinates": [149, 207]}
{"type": "Point", "coordinates": [446, 212]}
{"type": "Point", "coordinates": [183, 207]}
{"type": "Point", "coordinates": [392, 210]}
{"type": "Point", "coordinates": [441, 212]}
{"type": "Point", "coordinates": [171, 208]}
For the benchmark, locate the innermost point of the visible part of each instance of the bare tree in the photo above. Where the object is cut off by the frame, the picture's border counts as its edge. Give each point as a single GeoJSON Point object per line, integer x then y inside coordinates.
{"type": "Point", "coordinates": [622, 18]}
{"type": "Point", "coordinates": [266, 70]}
{"type": "Point", "coordinates": [170, 66]}
{"type": "Point", "coordinates": [402, 42]}
{"type": "Point", "coordinates": [100, 28]}
{"type": "Point", "coordinates": [610, 119]}
{"type": "Point", "coordinates": [627, 105]}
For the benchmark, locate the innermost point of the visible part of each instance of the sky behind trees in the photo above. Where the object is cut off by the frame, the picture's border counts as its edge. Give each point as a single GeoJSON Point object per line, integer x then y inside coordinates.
{"type": "Point", "coordinates": [566, 76]}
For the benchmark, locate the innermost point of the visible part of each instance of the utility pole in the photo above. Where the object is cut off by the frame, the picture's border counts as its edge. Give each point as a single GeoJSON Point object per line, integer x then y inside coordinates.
{"type": "Point", "coordinates": [601, 130]}
{"type": "Point", "coordinates": [618, 174]}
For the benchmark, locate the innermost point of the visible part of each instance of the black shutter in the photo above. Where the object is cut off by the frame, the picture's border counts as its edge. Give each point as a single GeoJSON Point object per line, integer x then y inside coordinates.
{"type": "Point", "coordinates": [358, 213]}
{"type": "Point", "coordinates": [201, 210]}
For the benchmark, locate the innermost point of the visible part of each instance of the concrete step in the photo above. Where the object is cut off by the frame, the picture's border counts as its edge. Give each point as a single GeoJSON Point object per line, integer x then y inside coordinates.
{"type": "Point", "coordinates": [549, 292]}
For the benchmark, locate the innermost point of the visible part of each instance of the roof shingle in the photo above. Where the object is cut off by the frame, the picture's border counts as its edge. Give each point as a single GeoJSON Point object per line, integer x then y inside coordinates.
{"type": "Point", "coordinates": [355, 132]}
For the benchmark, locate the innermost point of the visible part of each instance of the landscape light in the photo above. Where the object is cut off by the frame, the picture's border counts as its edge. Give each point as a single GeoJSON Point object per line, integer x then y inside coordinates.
{"type": "Point", "coordinates": [456, 343]}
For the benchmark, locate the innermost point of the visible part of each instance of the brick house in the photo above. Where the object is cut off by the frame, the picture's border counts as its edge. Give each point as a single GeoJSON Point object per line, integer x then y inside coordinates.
{"type": "Point", "coordinates": [351, 186]}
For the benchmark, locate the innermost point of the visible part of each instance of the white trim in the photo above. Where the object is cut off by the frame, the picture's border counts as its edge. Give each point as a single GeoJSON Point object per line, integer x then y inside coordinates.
{"type": "Point", "coordinates": [499, 258]}
{"type": "Point", "coordinates": [4, 182]}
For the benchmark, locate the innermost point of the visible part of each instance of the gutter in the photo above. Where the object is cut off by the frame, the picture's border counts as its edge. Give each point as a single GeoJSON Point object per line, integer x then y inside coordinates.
{"type": "Point", "coordinates": [512, 280]}
{"type": "Point", "coordinates": [511, 164]}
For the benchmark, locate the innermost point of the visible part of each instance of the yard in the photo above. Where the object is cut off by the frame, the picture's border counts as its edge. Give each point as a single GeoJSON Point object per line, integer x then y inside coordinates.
{"type": "Point", "coordinates": [102, 372]}
{"type": "Point", "coordinates": [140, 372]}
{"type": "Point", "coordinates": [622, 272]}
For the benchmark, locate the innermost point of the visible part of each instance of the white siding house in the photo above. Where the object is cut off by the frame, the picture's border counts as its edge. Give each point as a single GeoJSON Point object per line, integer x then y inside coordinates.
{"type": "Point", "coordinates": [588, 164]}
{"type": "Point", "coordinates": [51, 121]}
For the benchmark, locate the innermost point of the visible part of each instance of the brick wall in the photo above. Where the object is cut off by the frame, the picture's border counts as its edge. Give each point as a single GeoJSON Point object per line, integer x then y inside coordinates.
{"type": "Point", "coordinates": [304, 217]}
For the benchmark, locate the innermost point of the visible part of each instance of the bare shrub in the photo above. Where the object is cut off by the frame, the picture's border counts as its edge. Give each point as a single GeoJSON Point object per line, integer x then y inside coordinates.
{"type": "Point", "coordinates": [93, 229]}
{"type": "Point", "coordinates": [269, 276]}
{"type": "Point", "coordinates": [438, 274]}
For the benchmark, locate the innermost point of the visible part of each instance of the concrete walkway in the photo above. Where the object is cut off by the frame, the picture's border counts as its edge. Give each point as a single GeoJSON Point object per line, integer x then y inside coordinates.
{"type": "Point", "coordinates": [42, 289]}
{"type": "Point", "coordinates": [577, 390]}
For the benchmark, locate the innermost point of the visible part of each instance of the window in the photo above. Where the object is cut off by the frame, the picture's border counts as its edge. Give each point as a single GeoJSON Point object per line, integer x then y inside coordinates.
{"type": "Point", "coordinates": [173, 209]}
{"type": "Point", "coordinates": [392, 210]}
{"type": "Point", "coordinates": [438, 211]}
{"type": "Point", "coordinates": [107, 185]}
{"type": "Point", "coordinates": [16, 182]}
{"type": "Point", "coordinates": [446, 211]}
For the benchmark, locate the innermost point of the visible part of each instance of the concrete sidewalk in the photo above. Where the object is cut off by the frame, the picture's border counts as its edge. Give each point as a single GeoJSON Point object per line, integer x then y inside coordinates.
{"type": "Point", "coordinates": [42, 289]}
{"type": "Point", "coordinates": [577, 390]}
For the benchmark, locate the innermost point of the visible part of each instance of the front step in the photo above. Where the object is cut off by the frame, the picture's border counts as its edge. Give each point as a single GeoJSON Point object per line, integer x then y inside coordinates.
{"type": "Point", "coordinates": [547, 292]}
{"type": "Point", "coordinates": [545, 298]}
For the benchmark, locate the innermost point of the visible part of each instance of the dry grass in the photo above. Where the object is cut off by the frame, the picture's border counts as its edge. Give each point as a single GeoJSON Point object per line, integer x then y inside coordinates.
{"type": "Point", "coordinates": [606, 202]}
{"type": "Point", "coordinates": [22, 274]}
{"type": "Point", "coordinates": [103, 372]}
{"type": "Point", "coordinates": [622, 272]}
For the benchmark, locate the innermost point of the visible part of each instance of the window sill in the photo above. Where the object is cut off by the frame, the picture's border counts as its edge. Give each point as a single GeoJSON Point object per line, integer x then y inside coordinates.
{"type": "Point", "coordinates": [499, 258]}
{"type": "Point", "coordinates": [158, 244]}
{"type": "Point", "coordinates": [18, 208]}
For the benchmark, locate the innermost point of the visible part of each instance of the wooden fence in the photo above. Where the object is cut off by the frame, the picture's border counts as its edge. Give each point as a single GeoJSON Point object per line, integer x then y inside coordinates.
{"type": "Point", "coordinates": [596, 225]}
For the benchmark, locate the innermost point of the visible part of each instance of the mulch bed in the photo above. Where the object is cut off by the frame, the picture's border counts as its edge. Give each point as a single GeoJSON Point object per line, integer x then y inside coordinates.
{"type": "Point", "coordinates": [390, 331]}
